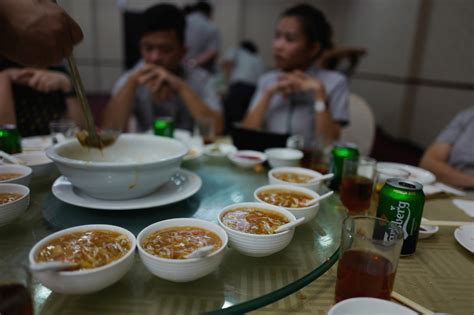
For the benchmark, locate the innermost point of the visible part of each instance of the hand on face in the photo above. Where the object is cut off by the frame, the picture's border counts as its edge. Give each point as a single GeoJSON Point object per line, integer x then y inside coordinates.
{"type": "Point", "coordinates": [41, 80]}
{"type": "Point", "coordinates": [161, 83]}
{"type": "Point", "coordinates": [298, 81]}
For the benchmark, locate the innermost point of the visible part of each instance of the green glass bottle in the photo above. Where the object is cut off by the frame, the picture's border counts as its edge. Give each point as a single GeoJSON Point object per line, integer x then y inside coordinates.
{"type": "Point", "coordinates": [164, 126]}
{"type": "Point", "coordinates": [10, 139]}
{"type": "Point", "coordinates": [338, 154]}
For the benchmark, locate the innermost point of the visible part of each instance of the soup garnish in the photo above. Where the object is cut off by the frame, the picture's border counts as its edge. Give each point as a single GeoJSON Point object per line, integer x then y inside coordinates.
{"type": "Point", "coordinates": [89, 249]}
{"type": "Point", "coordinates": [9, 197]}
{"type": "Point", "coordinates": [293, 177]}
{"type": "Point", "coordinates": [178, 242]}
{"type": "Point", "coordinates": [7, 176]}
{"type": "Point", "coordinates": [254, 220]}
{"type": "Point", "coordinates": [285, 198]}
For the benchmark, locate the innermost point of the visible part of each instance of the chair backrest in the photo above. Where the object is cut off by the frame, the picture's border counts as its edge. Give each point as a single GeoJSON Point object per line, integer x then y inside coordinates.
{"type": "Point", "coordinates": [361, 128]}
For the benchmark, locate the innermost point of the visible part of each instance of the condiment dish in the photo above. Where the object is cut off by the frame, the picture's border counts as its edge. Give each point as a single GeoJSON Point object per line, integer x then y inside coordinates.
{"type": "Point", "coordinates": [247, 158]}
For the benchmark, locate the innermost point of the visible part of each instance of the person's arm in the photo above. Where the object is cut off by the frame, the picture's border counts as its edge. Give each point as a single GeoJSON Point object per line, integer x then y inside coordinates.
{"type": "Point", "coordinates": [36, 32]}
{"type": "Point", "coordinates": [435, 159]}
{"type": "Point", "coordinates": [254, 118]}
{"type": "Point", "coordinates": [329, 129]}
{"type": "Point", "coordinates": [7, 104]}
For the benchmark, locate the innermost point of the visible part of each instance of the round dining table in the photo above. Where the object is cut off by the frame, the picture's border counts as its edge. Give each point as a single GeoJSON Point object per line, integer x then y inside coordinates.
{"type": "Point", "coordinates": [297, 280]}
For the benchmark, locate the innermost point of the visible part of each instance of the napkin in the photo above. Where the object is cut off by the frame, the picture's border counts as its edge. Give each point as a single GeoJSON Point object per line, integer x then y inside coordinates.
{"type": "Point", "coordinates": [465, 205]}
{"type": "Point", "coordinates": [440, 188]}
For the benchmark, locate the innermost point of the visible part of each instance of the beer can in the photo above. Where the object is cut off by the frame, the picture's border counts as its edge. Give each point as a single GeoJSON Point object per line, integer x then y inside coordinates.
{"type": "Point", "coordinates": [339, 153]}
{"type": "Point", "coordinates": [164, 126]}
{"type": "Point", "coordinates": [10, 140]}
{"type": "Point", "coordinates": [401, 201]}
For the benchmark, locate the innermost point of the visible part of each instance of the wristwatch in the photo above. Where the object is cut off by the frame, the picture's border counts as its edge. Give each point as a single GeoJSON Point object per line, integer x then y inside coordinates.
{"type": "Point", "coordinates": [319, 106]}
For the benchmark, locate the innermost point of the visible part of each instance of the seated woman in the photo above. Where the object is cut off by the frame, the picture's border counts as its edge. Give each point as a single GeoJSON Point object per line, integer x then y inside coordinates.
{"type": "Point", "coordinates": [451, 156]}
{"type": "Point", "coordinates": [299, 98]}
{"type": "Point", "coordinates": [30, 98]}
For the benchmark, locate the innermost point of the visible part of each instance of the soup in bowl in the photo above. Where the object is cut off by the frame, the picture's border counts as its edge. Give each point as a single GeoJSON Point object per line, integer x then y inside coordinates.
{"type": "Point", "coordinates": [135, 165]}
{"type": "Point", "coordinates": [251, 228]}
{"type": "Point", "coordinates": [165, 245]}
{"type": "Point", "coordinates": [15, 174]}
{"type": "Point", "coordinates": [292, 198]}
{"type": "Point", "coordinates": [103, 254]}
{"type": "Point", "coordinates": [297, 176]}
{"type": "Point", "coordinates": [14, 200]}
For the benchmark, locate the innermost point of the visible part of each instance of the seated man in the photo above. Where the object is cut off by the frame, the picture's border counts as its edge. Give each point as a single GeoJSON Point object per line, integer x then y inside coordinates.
{"type": "Point", "coordinates": [451, 156]}
{"type": "Point", "coordinates": [299, 98]}
{"type": "Point", "coordinates": [157, 85]}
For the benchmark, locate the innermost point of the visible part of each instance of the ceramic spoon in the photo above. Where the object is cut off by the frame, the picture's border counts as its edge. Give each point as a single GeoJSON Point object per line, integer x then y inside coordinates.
{"type": "Point", "coordinates": [324, 177]}
{"type": "Point", "coordinates": [11, 159]}
{"type": "Point", "coordinates": [290, 225]}
{"type": "Point", "coordinates": [316, 200]}
{"type": "Point", "coordinates": [201, 252]}
{"type": "Point", "coordinates": [54, 266]}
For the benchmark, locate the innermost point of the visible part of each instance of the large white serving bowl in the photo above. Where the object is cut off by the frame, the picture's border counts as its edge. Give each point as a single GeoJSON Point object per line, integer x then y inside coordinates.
{"type": "Point", "coordinates": [13, 209]}
{"type": "Point", "coordinates": [257, 245]}
{"type": "Point", "coordinates": [25, 172]}
{"type": "Point", "coordinates": [313, 185]}
{"type": "Point", "coordinates": [135, 165]}
{"type": "Point", "coordinates": [307, 212]}
{"type": "Point", "coordinates": [85, 280]}
{"type": "Point", "coordinates": [41, 165]}
{"type": "Point", "coordinates": [369, 306]}
{"type": "Point", "coordinates": [182, 270]}
{"type": "Point", "coordinates": [278, 157]}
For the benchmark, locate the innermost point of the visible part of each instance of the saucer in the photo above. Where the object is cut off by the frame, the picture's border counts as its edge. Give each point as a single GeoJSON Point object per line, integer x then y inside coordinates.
{"type": "Point", "coordinates": [417, 174]}
{"type": "Point", "coordinates": [181, 186]}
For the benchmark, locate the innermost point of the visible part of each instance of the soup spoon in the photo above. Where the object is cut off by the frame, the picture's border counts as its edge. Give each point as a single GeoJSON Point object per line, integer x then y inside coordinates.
{"type": "Point", "coordinates": [290, 225]}
{"type": "Point", "coordinates": [11, 159]}
{"type": "Point", "coordinates": [201, 252]}
{"type": "Point", "coordinates": [324, 177]}
{"type": "Point", "coordinates": [316, 200]}
{"type": "Point", "coordinates": [54, 266]}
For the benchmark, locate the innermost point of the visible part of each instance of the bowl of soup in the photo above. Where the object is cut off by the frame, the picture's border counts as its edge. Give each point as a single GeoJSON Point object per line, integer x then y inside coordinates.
{"type": "Point", "coordinates": [292, 198]}
{"type": "Point", "coordinates": [134, 166]}
{"type": "Point", "coordinates": [40, 164]}
{"type": "Point", "coordinates": [165, 245]}
{"type": "Point", "coordinates": [102, 253]}
{"type": "Point", "coordinates": [14, 200]}
{"type": "Point", "coordinates": [15, 174]}
{"type": "Point", "coordinates": [251, 228]}
{"type": "Point", "coordinates": [296, 176]}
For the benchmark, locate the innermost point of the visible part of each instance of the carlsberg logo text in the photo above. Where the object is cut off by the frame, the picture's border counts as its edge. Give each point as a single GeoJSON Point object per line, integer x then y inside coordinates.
{"type": "Point", "coordinates": [402, 217]}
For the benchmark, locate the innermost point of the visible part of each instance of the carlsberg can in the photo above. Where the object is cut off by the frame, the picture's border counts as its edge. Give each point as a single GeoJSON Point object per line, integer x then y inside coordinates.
{"type": "Point", "coordinates": [401, 201]}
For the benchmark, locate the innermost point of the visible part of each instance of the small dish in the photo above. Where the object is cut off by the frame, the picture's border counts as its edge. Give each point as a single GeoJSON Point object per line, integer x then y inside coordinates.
{"type": "Point", "coordinates": [247, 158]}
{"type": "Point", "coordinates": [427, 231]}
{"type": "Point", "coordinates": [464, 236]}
{"type": "Point", "coordinates": [41, 165]}
{"type": "Point", "coordinates": [23, 179]}
{"type": "Point", "coordinates": [219, 150]}
{"type": "Point", "coordinates": [278, 157]}
{"type": "Point", "coordinates": [194, 152]}
{"type": "Point", "coordinates": [369, 306]}
{"type": "Point", "coordinates": [11, 210]}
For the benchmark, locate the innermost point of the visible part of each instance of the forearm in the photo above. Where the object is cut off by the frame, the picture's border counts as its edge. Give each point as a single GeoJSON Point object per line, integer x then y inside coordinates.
{"type": "Point", "coordinates": [199, 109]}
{"type": "Point", "coordinates": [254, 119]}
{"type": "Point", "coordinates": [205, 57]}
{"type": "Point", "coordinates": [446, 173]}
{"type": "Point", "coordinates": [7, 104]}
{"type": "Point", "coordinates": [326, 127]}
{"type": "Point", "coordinates": [74, 111]}
{"type": "Point", "coordinates": [117, 111]}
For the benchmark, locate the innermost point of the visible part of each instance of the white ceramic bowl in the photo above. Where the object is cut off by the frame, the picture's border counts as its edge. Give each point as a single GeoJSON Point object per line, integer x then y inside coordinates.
{"type": "Point", "coordinates": [426, 231]}
{"type": "Point", "coordinates": [369, 306]}
{"type": "Point", "coordinates": [219, 150]}
{"type": "Point", "coordinates": [135, 165]}
{"type": "Point", "coordinates": [13, 209]}
{"type": "Point", "coordinates": [41, 165]}
{"type": "Point", "coordinates": [313, 185]}
{"type": "Point", "coordinates": [258, 245]}
{"type": "Point", "coordinates": [182, 270]}
{"type": "Point", "coordinates": [278, 157]}
{"type": "Point", "coordinates": [24, 179]}
{"type": "Point", "coordinates": [307, 212]}
{"type": "Point", "coordinates": [247, 158]}
{"type": "Point", "coordinates": [85, 280]}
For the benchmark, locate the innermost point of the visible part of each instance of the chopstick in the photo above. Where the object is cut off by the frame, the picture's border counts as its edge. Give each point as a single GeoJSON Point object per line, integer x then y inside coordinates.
{"type": "Point", "coordinates": [444, 223]}
{"type": "Point", "coordinates": [411, 304]}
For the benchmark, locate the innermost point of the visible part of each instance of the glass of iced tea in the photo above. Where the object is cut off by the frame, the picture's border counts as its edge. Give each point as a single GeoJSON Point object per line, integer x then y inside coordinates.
{"type": "Point", "coordinates": [382, 173]}
{"type": "Point", "coordinates": [370, 248]}
{"type": "Point", "coordinates": [357, 184]}
{"type": "Point", "coordinates": [15, 296]}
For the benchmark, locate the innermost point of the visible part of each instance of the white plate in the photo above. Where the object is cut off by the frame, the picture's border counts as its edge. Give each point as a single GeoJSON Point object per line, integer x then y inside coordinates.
{"type": "Point", "coordinates": [465, 236]}
{"type": "Point", "coordinates": [416, 173]}
{"type": "Point", "coordinates": [369, 306]}
{"type": "Point", "coordinates": [37, 143]}
{"type": "Point", "coordinates": [219, 150]}
{"type": "Point", "coordinates": [182, 185]}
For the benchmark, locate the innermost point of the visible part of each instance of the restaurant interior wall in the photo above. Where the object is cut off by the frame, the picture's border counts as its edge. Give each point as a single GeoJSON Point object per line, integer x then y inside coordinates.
{"type": "Point", "coordinates": [426, 40]}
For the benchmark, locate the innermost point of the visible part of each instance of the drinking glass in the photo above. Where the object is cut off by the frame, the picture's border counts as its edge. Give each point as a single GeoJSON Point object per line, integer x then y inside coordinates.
{"type": "Point", "coordinates": [15, 296]}
{"type": "Point", "coordinates": [317, 155]}
{"type": "Point", "coordinates": [62, 130]}
{"type": "Point", "coordinates": [370, 248]}
{"type": "Point", "coordinates": [382, 173]}
{"type": "Point", "coordinates": [357, 184]}
{"type": "Point", "coordinates": [205, 129]}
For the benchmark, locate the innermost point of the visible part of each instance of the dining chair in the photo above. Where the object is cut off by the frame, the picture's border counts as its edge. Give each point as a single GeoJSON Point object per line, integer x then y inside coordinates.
{"type": "Point", "coordinates": [361, 128]}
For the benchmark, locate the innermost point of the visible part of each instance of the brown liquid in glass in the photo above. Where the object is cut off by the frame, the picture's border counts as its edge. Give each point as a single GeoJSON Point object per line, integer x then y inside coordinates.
{"type": "Point", "coordinates": [355, 193]}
